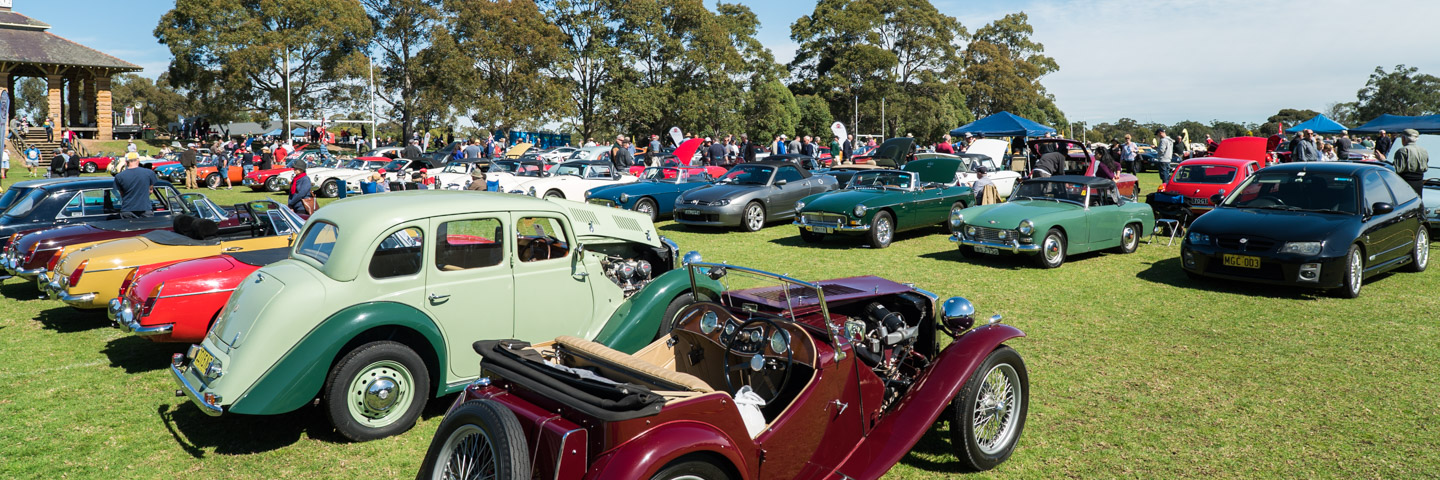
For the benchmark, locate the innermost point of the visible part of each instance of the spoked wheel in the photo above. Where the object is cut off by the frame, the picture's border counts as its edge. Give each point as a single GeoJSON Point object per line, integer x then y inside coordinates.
{"type": "Point", "coordinates": [647, 206]}
{"type": "Point", "coordinates": [90, 167]}
{"type": "Point", "coordinates": [1354, 274]}
{"type": "Point", "coordinates": [1420, 256]}
{"type": "Point", "coordinates": [882, 230]}
{"type": "Point", "coordinates": [272, 184]}
{"type": "Point", "coordinates": [330, 189]}
{"type": "Point", "coordinates": [480, 439]}
{"type": "Point", "coordinates": [754, 217]}
{"type": "Point", "coordinates": [988, 415]}
{"type": "Point", "coordinates": [1052, 250]}
{"type": "Point", "coordinates": [376, 391]}
{"type": "Point", "coordinates": [1129, 238]}
{"type": "Point", "coordinates": [212, 180]}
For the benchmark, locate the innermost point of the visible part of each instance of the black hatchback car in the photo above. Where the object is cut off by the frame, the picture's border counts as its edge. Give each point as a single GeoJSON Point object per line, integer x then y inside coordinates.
{"type": "Point", "coordinates": [1326, 225]}
{"type": "Point", "coordinates": [36, 204]}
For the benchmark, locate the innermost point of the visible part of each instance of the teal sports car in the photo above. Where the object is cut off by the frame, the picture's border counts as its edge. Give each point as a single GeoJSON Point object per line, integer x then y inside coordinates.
{"type": "Point", "coordinates": [1052, 218]}
{"type": "Point", "coordinates": [654, 193]}
{"type": "Point", "coordinates": [879, 203]}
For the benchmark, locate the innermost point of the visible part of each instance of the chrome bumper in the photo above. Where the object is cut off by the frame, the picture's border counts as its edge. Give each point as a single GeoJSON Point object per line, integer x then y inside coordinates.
{"type": "Point", "coordinates": [190, 391]}
{"type": "Point", "coordinates": [28, 273]}
{"type": "Point", "coordinates": [124, 318]}
{"type": "Point", "coordinates": [1011, 247]}
{"type": "Point", "coordinates": [838, 228]}
{"type": "Point", "coordinates": [84, 299]}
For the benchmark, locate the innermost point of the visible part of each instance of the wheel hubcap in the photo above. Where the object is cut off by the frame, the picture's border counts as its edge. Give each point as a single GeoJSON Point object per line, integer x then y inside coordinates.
{"type": "Point", "coordinates": [1129, 237]}
{"type": "Point", "coordinates": [468, 454]}
{"type": "Point", "coordinates": [1052, 249]}
{"type": "Point", "coordinates": [882, 230]}
{"type": "Point", "coordinates": [996, 406]}
{"type": "Point", "coordinates": [1422, 248]}
{"type": "Point", "coordinates": [645, 207]}
{"type": "Point", "coordinates": [1356, 271]}
{"type": "Point", "coordinates": [756, 218]}
{"type": "Point", "coordinates": [380, 394]}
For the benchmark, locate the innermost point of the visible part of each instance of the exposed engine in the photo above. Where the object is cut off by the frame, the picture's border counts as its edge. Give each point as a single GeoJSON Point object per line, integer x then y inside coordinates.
{"type": "Point", "coordinates": [628, 274]}
{"type": "Point", "coordinates": [890, 340]}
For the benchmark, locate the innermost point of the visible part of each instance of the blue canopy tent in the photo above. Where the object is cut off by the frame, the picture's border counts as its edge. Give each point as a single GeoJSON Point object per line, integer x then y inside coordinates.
{"type": "Point", "coordinates": [1004, 124]}
{"type": "Point", "coordinates": [1319, 124]}
{"type": "Point", "coordinates": [1426, 124]}
{"type": "Point", "coordinates": [294, 133]}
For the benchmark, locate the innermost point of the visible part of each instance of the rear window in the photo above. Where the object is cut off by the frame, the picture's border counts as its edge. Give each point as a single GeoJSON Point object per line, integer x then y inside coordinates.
{"type": "Point", "coordinates": [11, 196]}
{"type": "Point", "coordinates": [319, 241]}
{"type": "Point", "coordinates": [25, 204]}
{"type": "Point", "coordinates": [1214, 174]}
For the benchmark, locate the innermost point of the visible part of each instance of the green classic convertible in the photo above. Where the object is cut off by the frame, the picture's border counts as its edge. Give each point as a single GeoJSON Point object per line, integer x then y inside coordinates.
{"type": "Point", "coordinates": [878, 203]}
{"type": "Point", "coordinates": [375, 309]}
{"type": "Point", "coordinates": [1053, 217]}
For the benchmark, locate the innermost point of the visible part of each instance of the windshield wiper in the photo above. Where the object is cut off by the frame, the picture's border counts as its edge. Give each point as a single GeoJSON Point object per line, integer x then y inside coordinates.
{"type": "Point", "coordinates": [1286, 208]}
{"type": "Point", "coordinates": [1327, 210]}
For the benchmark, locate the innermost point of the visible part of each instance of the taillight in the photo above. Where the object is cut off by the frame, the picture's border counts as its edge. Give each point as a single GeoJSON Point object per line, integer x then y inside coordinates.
{"type": "Point", "coordinates": [31, 254]}
{"type": "Point", "coordinates": [54, 260]}
{"type": "Point", "coordinates": [80, 270]}
{"type": "Point", "coordinates": [125, 285]}
{"type": "Point", "coordinates": [150, 302]}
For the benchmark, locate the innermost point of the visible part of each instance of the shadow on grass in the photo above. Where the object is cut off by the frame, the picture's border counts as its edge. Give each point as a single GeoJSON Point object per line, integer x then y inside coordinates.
{"type": "Point", "coordinates": [21, 290]}
{"type": "Point", "coordinates": [69, 320]}
{"type": "Point", "coordinates": [935, 443]}
{"type": "Point", "coordinates": [677, 227]}
{"type": "Point", "coordinates": [856, 240]}
{"type": "Point", "coordinates": [1168, 272]}
{"type": "Point", "coordinates": [232, 434]}
{"type": "Point", "coordinates": [135, 354]}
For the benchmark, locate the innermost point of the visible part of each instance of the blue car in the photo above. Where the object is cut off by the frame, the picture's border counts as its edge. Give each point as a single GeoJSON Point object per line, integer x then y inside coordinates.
{"type": "Point", "coordinates": [654, 194]}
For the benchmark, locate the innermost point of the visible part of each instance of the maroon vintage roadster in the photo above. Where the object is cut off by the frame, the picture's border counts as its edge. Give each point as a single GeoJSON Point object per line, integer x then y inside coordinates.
{"type": "Point", "coordinates": [770, 377]}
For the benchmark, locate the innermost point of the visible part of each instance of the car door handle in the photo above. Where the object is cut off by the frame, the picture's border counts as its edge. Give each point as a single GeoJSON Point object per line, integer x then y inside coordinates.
{"type": "Point", "coordinates": [435, 297]}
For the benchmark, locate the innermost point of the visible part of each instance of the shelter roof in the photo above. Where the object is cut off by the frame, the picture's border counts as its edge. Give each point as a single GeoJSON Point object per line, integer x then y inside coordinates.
{"type": "Point", "coordinates": [25, 40]}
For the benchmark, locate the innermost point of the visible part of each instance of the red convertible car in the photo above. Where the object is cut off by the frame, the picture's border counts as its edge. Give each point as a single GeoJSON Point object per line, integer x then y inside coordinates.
{"type": "Point", "coordinates": [177, 301]}
{"type": "Point", "coordinates": [96, 163]}
{"type": "Point", "coordinates": [772, 377]}
{"type": "Point", "coordinates": [1189, 191]}
{"type": "Point", "coordinates": [672, 159]}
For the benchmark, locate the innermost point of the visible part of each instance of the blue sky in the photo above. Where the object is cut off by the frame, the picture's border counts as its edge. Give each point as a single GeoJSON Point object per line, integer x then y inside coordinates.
{"type": "Point", "coordinates": [1151, 60]}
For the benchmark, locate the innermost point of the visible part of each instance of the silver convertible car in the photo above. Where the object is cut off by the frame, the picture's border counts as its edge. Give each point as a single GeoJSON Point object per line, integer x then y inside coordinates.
{"type": "Point", "coordinates": [749, 195]}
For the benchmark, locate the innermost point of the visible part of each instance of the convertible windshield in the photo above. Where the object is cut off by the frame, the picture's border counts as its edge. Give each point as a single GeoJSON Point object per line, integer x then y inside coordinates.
{"type": "Point", "coordinates": [748, 175]}
{"type": "Point", "coordinates": [456, 167]}
{"type": "Point", "coordinates": [568, 169]}
{"type": "Point", "coordinates": [1045, 190]}
{"type": "Point", "coordinates": [663, 175]}
{"type": "Point", "coordinates": [1215, 174]}
{"type": "Point", "coordinates": [756, 290]}
{"type": "Point", "coordinates": [1299, 190]}
{"type": "Point", "coordinates": [25, 203]}
{"type": "Point", "coordinates": [882, 180]}
{"type": "Point", "coordinates": [395, 165]}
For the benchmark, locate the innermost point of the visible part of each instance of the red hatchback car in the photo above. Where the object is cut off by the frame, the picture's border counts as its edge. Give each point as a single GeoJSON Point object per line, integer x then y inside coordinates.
{"type": "Point", "coordinates": [1196, 180]}
{"type": "Point", "coordinates": [771, 377]}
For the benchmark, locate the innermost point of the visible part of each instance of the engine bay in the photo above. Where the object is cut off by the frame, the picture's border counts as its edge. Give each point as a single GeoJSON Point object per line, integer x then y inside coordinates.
{"type": "Point", "coordinates": [888, 335]}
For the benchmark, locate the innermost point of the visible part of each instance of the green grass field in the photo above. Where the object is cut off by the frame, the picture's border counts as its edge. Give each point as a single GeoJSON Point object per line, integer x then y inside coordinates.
{"type": "Point", "coordinates": [1135, 371]}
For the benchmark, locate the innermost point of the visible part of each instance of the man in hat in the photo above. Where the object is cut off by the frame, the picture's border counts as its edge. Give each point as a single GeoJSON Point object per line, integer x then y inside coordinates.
{"type": "Point", "coordinates": [187, 160]}
{"type": "Point", "coordinates": [134, 184]}
{"type": "Point", "coordinates": [1411, 160]}
{"type": "Point", "coordinates": [477, 180]}
{"type": "Point", "coordinates": [983, 180]}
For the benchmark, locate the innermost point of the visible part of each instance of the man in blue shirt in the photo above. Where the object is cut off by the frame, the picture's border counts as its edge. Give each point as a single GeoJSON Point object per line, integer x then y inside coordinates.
{"type": "Point", "coordinates": [134, 185]}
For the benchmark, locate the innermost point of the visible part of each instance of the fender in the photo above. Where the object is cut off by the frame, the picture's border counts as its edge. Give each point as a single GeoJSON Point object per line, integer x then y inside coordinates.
{"type": "Point", "coordinates": [634, 323]}
{"type": "Point", "coordinates": [297, 377]}
{"type": "Point", "coordinates": [898, 432]}
{"type": "Point", "coordinates": [646, 454]}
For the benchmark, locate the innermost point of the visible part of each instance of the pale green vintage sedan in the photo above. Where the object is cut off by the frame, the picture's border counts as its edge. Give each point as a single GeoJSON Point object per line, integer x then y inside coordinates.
{"type": "Point", "coordinates": [376, 308]}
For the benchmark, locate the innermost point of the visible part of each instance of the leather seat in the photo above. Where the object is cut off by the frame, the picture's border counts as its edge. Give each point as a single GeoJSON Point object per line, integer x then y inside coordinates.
{"type": "Point", "coordinates": [634, 366]}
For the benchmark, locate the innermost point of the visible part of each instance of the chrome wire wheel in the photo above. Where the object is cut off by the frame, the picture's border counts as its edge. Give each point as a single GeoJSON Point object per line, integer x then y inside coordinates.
{"type": "Point", "coordinates": [996, 406]}
{"type": "Point", "coordinates": [647, 207]}
{"type": "Point", "coordinates": [468, 454]}
{"type": "Point", "coordinates": [883, 231]}
{"type": "Point", "coordinates": [380, 394]}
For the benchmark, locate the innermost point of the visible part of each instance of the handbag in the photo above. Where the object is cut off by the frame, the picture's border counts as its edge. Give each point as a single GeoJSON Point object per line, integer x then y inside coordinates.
{"type": "Point", "coordinates": [309, 203]}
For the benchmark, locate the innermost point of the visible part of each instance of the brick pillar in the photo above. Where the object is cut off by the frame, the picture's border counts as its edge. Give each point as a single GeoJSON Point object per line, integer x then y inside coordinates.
{"type": "Point", "coordinates": [87, 102]}
{"type": "Point", "coordinates": [72, 101]}
{"type": "Point", "coordinates": [10, 85]}
{"type": "Point", "coordinates": [102, 107]}
{"type": "Point", "coordinates": [54, 82]}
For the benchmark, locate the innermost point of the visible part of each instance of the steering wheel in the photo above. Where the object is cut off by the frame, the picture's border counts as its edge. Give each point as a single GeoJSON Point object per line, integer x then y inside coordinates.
{"type": "Point", "coordinates": [539, 244]}
{"type": "Point", "coordinates": [764, 340]}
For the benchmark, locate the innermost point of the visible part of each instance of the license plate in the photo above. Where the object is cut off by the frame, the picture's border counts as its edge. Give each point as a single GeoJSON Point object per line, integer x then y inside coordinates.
{"type": "Point", "coordinates": [202, 360]}
{"type": "Point", "coordinates": [822, 229]}
{"type": "Point", "coordinates": [691, 211]}
{"type": "Point", "coordinates": [988, 250]}
{"type": "Point", "coordinates": [1199, 201]}
{"type": "Point", "coordinates": [1243, 261]}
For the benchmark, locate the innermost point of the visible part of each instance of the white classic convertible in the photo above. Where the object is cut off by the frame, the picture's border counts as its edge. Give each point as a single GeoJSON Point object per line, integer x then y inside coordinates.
{"type": "Point", "coordinates": [570, 180]}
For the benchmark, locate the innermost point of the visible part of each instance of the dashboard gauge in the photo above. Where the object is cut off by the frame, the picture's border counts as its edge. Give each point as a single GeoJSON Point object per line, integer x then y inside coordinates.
{"type": "Point", "coordinates": [756, 336]}
{"type": "Point", "coordinates": [709, 322]}
{"type": "Point", "coordinates": [779, 341]}
{"type": "Point", "coordinates": [729, 329]}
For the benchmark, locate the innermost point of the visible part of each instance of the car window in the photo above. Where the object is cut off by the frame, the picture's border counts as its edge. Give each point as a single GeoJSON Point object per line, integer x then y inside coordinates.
{"type": "Point", "coordinates": [1375, 189]}
{"type": "Point", "coordinates": [24, 205]}
{"type": "Point", "coordinates": [11, 196]}
{"type": "Point", "coordinates": [467, 244]}
{"type": "Point", "coordinates": [89, 203]}
{"type": "Point", "coordinates": [789, 174]}
{"type": "Point", "coordinates": [539, 239]}
{"type": "Point", "coordinates": [599, 171]}
{"type": "Point", "coordinates": [399, 254]}
{"type": "Point", "coordinates": [319, 241]}
{"type": "Point", "coordinates": [1403, 192]}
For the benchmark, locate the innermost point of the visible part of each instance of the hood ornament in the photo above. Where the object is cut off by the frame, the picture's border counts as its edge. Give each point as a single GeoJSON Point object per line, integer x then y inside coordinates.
{"type": "Point", "coordinates": [1244, 240]}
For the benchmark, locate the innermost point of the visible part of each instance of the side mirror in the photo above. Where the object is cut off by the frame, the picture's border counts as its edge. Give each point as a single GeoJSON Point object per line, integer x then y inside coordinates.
{"type": "Point", "coordinates": [1217, 198]}
{"type": "Point", "coordinates": [780, 182]}
{"type": "Point", "coordinates": [1381, 208]}
{"type": "Point", "coordinates": [579, 249]}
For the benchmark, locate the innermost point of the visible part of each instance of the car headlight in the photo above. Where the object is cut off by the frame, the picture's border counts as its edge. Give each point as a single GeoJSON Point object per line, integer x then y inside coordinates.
{"type": "Point", "coordinates": [1026, 227]}
{"type": "Point", "coordinates": [956, 218]}
{"type": "Point", "coordinates": [799, 206]}
{"type": "Point", "coordinates": [1197, 238]}
{"type": "Point", "coordinates": [860, 210]}
{"type": "Point", "coordinates": [624, 197]}
{"type": "Point", "coordinates": [1302, 248]}
{"type": "Point", "coordinates": [721, 202]}
{"type": "Point", "coordinates": [970, 230]}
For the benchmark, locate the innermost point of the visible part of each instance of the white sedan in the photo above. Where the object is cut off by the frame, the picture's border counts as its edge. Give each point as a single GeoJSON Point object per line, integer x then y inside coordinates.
{"type": "Point", "coordinates": [570, 180]}
{"type": "Point", "coordinates": [990, 153]}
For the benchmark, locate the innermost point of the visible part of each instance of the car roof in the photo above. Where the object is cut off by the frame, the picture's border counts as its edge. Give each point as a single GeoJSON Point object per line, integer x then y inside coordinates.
{"type": "Point", "coordinates": [1232, 162]}
{"type": "Point", "coordinates": [589, 162]}
{"type": "Point", "coordinates": [1344, 168]}
{"type": "Point", "coordinates": [1081, 179]}
{"type": "Point", "coordinates": [45, 182]}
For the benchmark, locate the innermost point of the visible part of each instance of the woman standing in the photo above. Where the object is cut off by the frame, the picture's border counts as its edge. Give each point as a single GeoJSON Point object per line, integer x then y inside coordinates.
{"type": "Point", "coordinates": [301, 198]}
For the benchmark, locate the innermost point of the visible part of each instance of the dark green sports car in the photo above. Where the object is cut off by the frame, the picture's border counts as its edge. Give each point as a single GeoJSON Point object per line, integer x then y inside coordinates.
{"type": "Point", "coordinates": [878, 203]}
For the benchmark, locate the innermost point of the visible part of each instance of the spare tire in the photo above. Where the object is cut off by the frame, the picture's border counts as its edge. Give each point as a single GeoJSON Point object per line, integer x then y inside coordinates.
{"type": "Point", "coordinates": [474, 430]}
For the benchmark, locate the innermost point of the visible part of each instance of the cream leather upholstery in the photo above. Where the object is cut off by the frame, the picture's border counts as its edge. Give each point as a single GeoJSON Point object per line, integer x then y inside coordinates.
{"type": "Point", "coordinates": [634, 366]}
